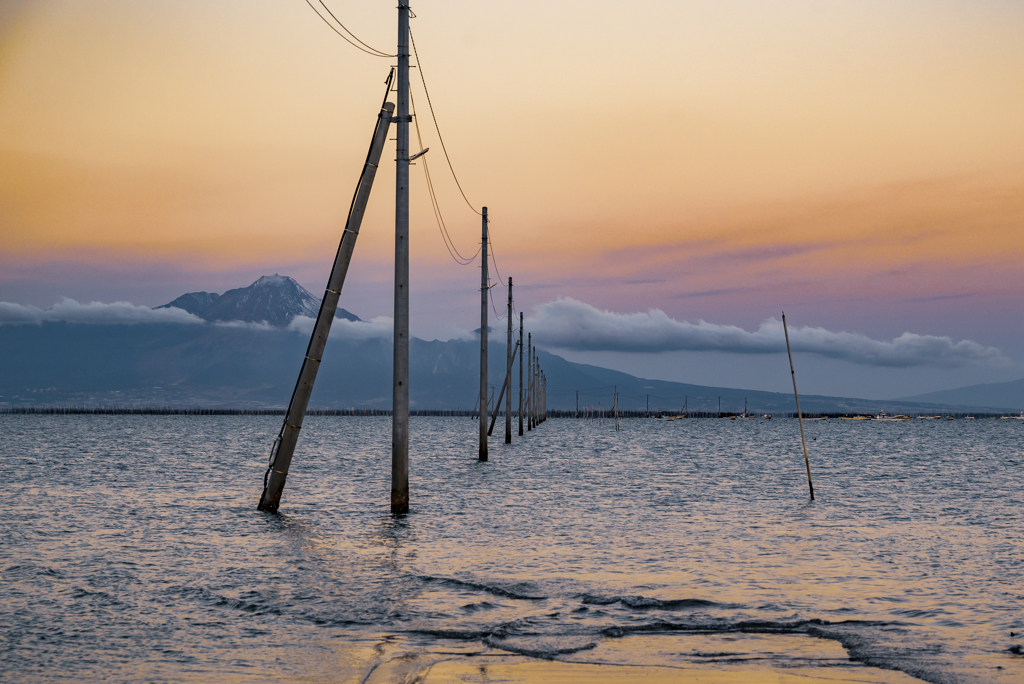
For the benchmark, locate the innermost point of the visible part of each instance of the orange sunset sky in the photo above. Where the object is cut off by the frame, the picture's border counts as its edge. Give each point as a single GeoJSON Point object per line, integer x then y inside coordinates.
{"type": "Point", "coordinates": [860, 164]}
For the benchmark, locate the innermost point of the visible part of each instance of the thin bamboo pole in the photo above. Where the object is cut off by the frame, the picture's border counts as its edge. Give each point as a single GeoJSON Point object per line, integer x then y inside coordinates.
{"type": "Point", "coordinates": [800, 416]}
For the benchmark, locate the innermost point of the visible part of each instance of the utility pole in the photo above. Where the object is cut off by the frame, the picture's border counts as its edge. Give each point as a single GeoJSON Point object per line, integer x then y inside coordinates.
{"type": "Point", "coordinates": [483, 339]}
{"type": "Point", "coordinates": [536, 388]}
{"type": "Point", "coordinates": [520, 373]}
{"type": "Point", "coordinates": [529, 380]}
{"type": "Point", "coordinates": [400, 380]}
{"type": "Point", "coordinates": [508, 371]}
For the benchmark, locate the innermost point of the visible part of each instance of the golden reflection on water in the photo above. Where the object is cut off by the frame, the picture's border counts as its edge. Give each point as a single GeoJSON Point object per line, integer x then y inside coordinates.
{"type": "Point", "coordinates": [578, 552]}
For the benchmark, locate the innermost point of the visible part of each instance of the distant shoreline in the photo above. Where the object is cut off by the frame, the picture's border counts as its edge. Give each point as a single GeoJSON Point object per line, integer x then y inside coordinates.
{"type": "Point", "coordinates": [444, 413]}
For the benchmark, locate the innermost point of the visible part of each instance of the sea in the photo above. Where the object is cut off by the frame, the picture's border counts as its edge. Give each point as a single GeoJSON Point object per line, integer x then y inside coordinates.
{"type": "Point", "coordinates": [131, 548]}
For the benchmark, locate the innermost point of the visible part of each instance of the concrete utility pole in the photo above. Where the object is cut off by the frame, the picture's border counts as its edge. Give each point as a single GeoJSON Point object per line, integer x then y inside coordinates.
{"type": "Point", "coordinates": [536, 387]}
{"type": "Point", "coordinates": [520, 373]}
{"type": "Point", "coordinates": [400, 380]}
{"type": "Point", "coordinates": [529, 381]}
{"type": "Point", "coordinates": [483, 339]}
{"type": "Point", "coordinates": [284, 445]}
{"type": "Point", "coordinates": [544, 402]}
{"type": "Point", "coordinates": [533, 387]}
{"type": "Point", "coordinates": [508, 372]}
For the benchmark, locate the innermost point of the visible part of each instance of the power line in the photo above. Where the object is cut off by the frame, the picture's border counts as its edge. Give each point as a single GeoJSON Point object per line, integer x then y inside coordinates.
{"type": "Point", "coordinates": [373, 52]}
{"type": "Point", "coordinates": [445, 236]}
{"type": "Point", "coordinates": [493, 259]}
{"type": "Point", "coordinates": [419, 66]}
{"type": "Point", "coordinates": [380, 53]}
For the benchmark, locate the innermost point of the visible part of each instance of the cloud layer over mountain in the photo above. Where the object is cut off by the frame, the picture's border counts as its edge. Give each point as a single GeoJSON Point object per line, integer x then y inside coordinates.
{"type": "Point", "coordinates": [70, 311]}
{"type": "Point", "coordinates": [381, 326]}
{"type": "Point", "coordinates": [571, 324]}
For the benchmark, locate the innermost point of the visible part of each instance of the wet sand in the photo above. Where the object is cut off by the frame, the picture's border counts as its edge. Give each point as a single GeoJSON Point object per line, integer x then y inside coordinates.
{"type": "Point", "coordinates": [707, 659]}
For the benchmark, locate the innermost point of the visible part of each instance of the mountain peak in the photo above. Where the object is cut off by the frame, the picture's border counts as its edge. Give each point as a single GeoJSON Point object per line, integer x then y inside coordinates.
{"type": "Point", "coordinates": [277, 281]}
{"type": "Point", "coordinates": [273, 299]}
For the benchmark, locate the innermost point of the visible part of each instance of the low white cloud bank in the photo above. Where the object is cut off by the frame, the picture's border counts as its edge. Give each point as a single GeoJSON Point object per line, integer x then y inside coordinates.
{"type": "Point", "coordinates": [570, 324]}
{"type": "Point", "coordinates": [381, 326]}
{"type": "Point", "coordinates": [261, 325]}
{"type": "Point", "coordinates": [70, 311]}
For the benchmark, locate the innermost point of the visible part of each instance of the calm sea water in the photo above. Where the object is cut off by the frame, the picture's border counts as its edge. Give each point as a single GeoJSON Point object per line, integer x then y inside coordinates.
{"type": "Point", "coordinates": [131, 547]}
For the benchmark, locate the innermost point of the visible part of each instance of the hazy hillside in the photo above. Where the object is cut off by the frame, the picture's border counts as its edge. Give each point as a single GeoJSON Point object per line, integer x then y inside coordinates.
{"type": "Point", "coordinates": [169, 364]}
{"type": "Point", "coordinates": [1007, 395]}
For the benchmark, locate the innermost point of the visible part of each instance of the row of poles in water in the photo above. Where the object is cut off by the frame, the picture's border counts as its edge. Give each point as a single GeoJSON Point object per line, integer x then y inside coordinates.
{"type": "Point", "coordinates": [283, 447]}
{"type": "Point", "coordinates": [532, 402]}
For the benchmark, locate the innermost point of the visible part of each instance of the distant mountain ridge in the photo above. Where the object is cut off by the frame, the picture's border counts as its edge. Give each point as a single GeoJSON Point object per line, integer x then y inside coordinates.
{"type": "Point", "coordinates": [1005, 395]}
{"type": "Point", "coordinates": [183, 364]}
{"type": "Point", "coordinates": [274, 300]}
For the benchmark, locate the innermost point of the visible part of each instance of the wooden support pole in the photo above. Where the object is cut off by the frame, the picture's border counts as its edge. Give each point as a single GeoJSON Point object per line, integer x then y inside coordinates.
{"type": "Point", "coordinates": [494, 416]}
{"type": "Point", "coordinates": [799, 415]}
{"type": "Point", "coordinates": [284, 446]}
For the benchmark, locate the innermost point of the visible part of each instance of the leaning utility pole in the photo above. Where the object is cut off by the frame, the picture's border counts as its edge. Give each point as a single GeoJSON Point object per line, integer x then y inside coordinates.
{"type": "Point", "coordinates": [508, 370]}
{"type": "Point", "coordinates": [284, 445]}
{"type": "Point", "coordinates": [520, 373]}
{"type": "Point", "coordinates": [483, 340]}
{"type": "Point", "coordinates": [400, 379]}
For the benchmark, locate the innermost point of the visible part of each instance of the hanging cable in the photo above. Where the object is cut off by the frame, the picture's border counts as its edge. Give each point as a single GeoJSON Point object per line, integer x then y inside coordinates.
{"type": "Point", "coordinates": [493, 259]}
{"type": "Point", "coordinates": [380, 53]}
{"type": "Point", "coordinates": [500, 316]}
{"type": "Point", "coordinates": [436, 127]}
{"type": "Point", "coordinates": [372, 51]}
{"type": "Point", "coordinates": [445, 236]}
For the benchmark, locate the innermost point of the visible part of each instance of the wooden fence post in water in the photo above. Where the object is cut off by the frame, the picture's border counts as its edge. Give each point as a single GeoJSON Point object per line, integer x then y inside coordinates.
{"type": "Point", "coordinates": [799, 415]}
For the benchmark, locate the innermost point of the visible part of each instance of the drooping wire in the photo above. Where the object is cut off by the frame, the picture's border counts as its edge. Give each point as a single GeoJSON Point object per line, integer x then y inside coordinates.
{"type": "Point", "coordinates": [380, 53]}
{"type": "Point", "coordinates": [419, 66]}
{"type": "Point", "coordinates": [493, 259]}
{"type": "Point", "coordinates": [445, 236]}
{"type": "Point", "coordinates": [373, 52]}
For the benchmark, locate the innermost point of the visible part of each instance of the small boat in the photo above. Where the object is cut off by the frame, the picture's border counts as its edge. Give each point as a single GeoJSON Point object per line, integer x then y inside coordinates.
{"type": "Point", "coordinates": [881, 416]}
{"type": "Point", "coordinates": [815, 418]}
{"type": "Point", "coordinates": [856, 418]}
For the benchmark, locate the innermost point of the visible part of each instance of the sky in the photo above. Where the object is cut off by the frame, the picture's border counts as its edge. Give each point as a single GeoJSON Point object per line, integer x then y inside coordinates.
{"type": "Point", "coordinates": [647, 166]}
